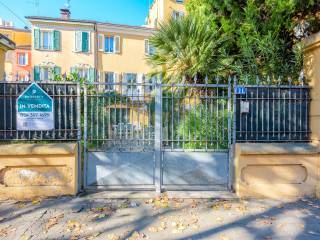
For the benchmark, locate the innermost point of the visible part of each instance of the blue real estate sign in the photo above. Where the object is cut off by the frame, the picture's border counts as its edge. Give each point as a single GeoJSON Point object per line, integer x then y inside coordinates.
{"type": "Point", "coordinates": [35, 109]}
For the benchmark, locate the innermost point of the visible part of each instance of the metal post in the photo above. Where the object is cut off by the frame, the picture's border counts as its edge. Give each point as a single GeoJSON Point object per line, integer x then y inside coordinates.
{"type": "Point", "coordinates": [79, 135]}
{"type": "Point", "coordinates": [158, 135]}
{"type": "Point", "coordinates": [233, 141]}
{"type": "Point", "coordinates": [85, 135]}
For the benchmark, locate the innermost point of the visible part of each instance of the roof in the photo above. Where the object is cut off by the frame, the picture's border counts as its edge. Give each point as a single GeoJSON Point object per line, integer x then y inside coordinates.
{"type": "Point", "coordinates": [86, 22]}
{"type": "Point", "coordinates": [24, 47]}
{"type": "Point", "coordinates": [15, 29]}
{"type": "Point", "coordinates": [6, 43]}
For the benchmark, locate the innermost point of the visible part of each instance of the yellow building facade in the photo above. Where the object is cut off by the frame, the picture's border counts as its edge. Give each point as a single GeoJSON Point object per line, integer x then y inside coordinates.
{"type": "Point", "coordinates": [18, 62]}
{"type": "Point", "coordinates": [94, 50]}
{"type": "Point", "coordinates": [5, 45]}
{"type": "Point", "coordinates": [162, 10]}
{"type": "Point", "coordinates": [22, 37]}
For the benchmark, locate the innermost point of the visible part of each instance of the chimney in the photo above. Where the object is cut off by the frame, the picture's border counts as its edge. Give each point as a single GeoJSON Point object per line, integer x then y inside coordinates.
{"type": "Point", "coordinates": [65, 13]}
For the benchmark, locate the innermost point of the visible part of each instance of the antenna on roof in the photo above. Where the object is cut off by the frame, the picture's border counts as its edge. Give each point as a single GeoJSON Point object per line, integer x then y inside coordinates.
{"type": "Point", "coordinates": [67, 4]}
{"type": "Point", "coordinates": [36, 4]}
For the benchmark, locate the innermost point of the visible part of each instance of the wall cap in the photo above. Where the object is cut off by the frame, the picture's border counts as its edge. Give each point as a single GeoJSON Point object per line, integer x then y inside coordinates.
{"type": "Point", "coordinates": [278, 148]}
{"type": "Point", "coordinates": [37, 149]}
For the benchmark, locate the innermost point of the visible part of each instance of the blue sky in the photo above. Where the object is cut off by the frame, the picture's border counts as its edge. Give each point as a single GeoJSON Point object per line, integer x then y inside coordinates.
{"type": "Point", "coordinates": [131, 12]}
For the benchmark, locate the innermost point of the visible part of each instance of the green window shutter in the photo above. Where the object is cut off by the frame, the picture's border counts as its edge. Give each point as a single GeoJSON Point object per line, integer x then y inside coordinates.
{"type": "Point", "coordinates": [36, 38]}
{"type": "Point", "coordinates": [56, 40]}
{"type": "Point", "coordinates": [92, 75]}
{"type": "Point", "coordinates": [57, 70]}
{"type": "Point", "coordinates": [85, 42]}
{"type": "Point", "coordinates": [36, 73]}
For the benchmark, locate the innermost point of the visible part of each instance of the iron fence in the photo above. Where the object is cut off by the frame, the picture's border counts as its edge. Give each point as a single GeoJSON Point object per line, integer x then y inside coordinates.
{"type": "Point", "coordinates": [273, 113]}
{"type": "Point", "coordinates": [66, 97]}
{"type": "Point", "coordinates": [196, 116]}
{"type": "Point", "coordinates": [119, 116]}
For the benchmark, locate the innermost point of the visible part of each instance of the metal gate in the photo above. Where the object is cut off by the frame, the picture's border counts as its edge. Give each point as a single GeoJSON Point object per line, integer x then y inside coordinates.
{"type": "Point", "coordinates": [142, 134]}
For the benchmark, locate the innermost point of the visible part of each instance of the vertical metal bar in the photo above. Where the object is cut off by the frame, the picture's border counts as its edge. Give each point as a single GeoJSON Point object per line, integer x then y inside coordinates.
{"type": "Point", "coordinates": [206, 112]}
{"type": "Point", "coordinates": [78, 116]}
{"type": "Point", "coordinates": [279, 114]}
{"type": "Point", "coordinates": [300, 114]}
{"type": "Point", "coordinates": [85, 134]}
{"type": "Point", "coordinates": [307, 113]}
{"type": "Point", "coordinates": [5, 111]}
{"type": "Point", "coordinates": [284, 114]}
{"type": "Point", "coordinates": [65, 112]}
{"type": "Point", "coordinates": [172, 117]}
{"type": "Point", "coordinates": [229, 113]}
{"type": "Point", "coordinates": [16, 95]}
{"type": "Point", "coordinates": [295, 115]}
{"type": "Point", "coordinates": [289, 122]}
{"type": "Point", "coordinates": [262, 114]}
{"type": "Point", "coordinates": [59, 112]}
{"type": "Point", "coordinates": [257, 113]}
{"type": "Point", "coordinates": [158, 137]}
{"type": "Point", "coordinates": [178, 124]}
{"type": "Point", "coordinates": [11, 111]}
{"type": "Point", "coordinates": [103, 119]}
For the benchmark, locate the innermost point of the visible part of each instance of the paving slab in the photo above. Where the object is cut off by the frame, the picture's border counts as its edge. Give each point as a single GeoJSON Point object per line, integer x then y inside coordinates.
{"type": "Point", "coordinates": [89, 217]}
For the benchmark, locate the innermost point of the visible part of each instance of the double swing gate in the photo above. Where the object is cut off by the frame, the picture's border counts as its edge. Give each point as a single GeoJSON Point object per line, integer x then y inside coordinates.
{"type": "Point", "coordinates": [152, 136]}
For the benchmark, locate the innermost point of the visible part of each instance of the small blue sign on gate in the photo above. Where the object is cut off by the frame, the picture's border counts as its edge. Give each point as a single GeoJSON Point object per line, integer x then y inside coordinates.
{"type": "Point", "coordinates": [241, 90]}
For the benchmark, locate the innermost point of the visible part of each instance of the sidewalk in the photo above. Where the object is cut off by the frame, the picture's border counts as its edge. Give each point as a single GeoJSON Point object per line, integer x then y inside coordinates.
{"type": "Point", "coordinates": [89, 217]}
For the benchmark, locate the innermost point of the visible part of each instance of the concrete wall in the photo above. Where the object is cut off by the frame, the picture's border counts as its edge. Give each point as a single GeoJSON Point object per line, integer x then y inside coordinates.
{"type": "Point", "coordinates": [34, 170]}
{"type": "Point", "coordinates": [277, 170]}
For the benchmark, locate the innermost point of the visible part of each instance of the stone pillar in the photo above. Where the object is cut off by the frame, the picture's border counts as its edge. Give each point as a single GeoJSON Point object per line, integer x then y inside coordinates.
{"type": "Point", "coordinates": [312, 72]}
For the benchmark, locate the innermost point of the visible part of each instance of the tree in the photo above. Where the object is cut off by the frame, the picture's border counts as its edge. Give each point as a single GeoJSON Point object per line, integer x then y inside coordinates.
{"type": "Point", "coordinates": [187, 47]}
{"type": "Point", "coordinates": [265, 35]}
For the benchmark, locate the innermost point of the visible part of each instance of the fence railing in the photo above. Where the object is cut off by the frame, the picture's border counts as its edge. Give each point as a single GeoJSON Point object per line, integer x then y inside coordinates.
{"type": "Point", "coordinates": [121, 114]}
{"type": "Point", "coordinates": [273, 113]}
{"type": "Point", "coordinates": [66, 97]}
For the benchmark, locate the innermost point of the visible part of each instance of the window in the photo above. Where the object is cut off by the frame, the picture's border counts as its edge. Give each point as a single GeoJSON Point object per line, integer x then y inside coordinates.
{"type": "Point", "coordinates": [131, 80]}
{"type": "Point", "coordinates": [82, 41]}
{"type": "Point", "coordinates": [22, 59]}
{"type": "Point", "coordinates": [110, 80]}
{"type": "Point", "coordinates": [177, 14]}
{"type": "Point", "coordinates": [84, 72]}
{"type": "Point", "coordinates": [179, 1]}
{"type": "Point", "coordinates": [46, 72]}
{"type": "Point", "coordinates": [148, 48]}
{"type": "Point", "coordinates": [46, 40]}
{"type": "Point", "coordinates": [150, 80]}
{"type": "Point", "coordinates": [109, 44]}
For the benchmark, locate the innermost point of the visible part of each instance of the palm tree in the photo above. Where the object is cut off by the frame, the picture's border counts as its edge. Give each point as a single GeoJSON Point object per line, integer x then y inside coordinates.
{"type": "Point", "coordinates": [188, 47]}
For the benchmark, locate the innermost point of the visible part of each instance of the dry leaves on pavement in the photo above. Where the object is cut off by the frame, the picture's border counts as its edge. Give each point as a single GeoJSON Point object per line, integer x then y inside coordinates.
{"type": "Point", "coordinates": [53, 221]}
{"type": "Point", "coordinates": [6, 231]}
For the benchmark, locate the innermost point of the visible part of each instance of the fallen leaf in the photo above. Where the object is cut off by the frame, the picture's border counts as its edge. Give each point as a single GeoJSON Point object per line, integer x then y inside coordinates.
{"type": "Point", "coordinates": [113, 237]}
{"type": "Point", "coordinates": [36, 202]}
{"type": "Point", "coordinates": [6, 231]}
{"type": "Point", "coordinates": [136, 236]}
{"type": "Point", "coordinates": [24, 237]}
{"type": "Point", "coordinates": [53, 221]}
